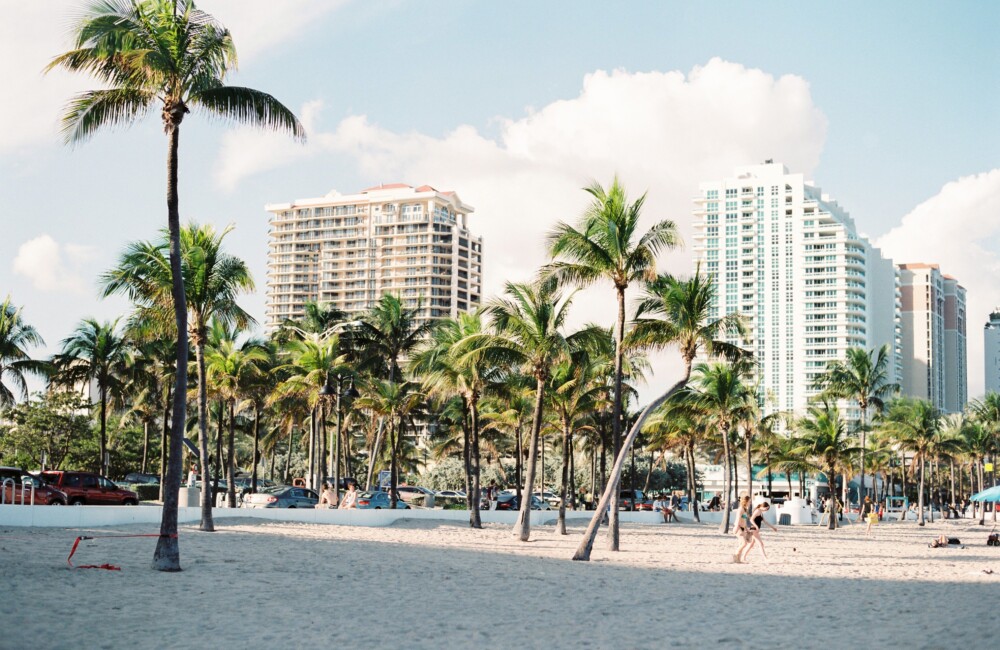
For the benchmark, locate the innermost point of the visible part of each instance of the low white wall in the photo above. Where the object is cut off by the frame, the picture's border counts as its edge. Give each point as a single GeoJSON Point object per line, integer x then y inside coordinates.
{"type": "Point", "coordinates": [96, 516]}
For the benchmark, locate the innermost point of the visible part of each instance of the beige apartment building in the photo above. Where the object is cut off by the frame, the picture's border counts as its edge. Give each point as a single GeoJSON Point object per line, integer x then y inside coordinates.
{"type": "Point", "coordinates": [935, 362]}
{"type": "Point", "coordinates": [348, 250]}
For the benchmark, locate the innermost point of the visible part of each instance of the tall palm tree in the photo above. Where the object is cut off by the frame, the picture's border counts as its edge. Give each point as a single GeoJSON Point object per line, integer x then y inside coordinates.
{"type": "Point", "coordinates": [606, 245]}
{"type": "Point", "coordinates": [824, 437]}
{"type": "Point", "coordinates": [720, 391]}
{"type": "Point", "coordinates": [395, 401]}
{"type": "Point", "coordinates": [16, 363]}
{"type": "Point", "coordinates": [386, 334]}
{"type": "Point", "coordinates": [865, 377]}
{"type": "Point", "coordinates": [528, 322]}
{"type": "Point", "coordinates": [213, 279]}
{"type": "Point", "coordinates": [680, 424]}
{"type": "Point", "coordinates": [445, 371]}
{"type": "Point", "coordinates": [97, 353]}
{"type": "Point", "coordinates": [164, 53]}
{"type": "Point", "coordinates": [231, 369]}
{"type": "Point", "coordinates": [914, 423]}
{"type": "Point", "coordinates": [672, 312]}
{"type": "Point", "coordinates": [986, 412]}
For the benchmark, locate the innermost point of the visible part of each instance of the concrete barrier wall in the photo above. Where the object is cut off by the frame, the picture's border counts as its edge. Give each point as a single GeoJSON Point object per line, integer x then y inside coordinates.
{"type": "Point", "coordinates": [97, 516]}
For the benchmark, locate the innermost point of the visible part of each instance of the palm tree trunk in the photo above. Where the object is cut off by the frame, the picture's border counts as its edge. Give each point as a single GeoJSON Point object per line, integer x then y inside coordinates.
{"type": "Point", "coordinates": [475, 520]}
{"type": "Point", "coordinates": [649, 473]}
{"type": "Point", "coordinates": [220, 424]}
{"type": "Point", "coordinates": [831, 479]}
{"type": "Point", "coordinates": [145, 442]}
{"type": "Point", "coordinates": [572, 473]}
{"type": "Point", "coordinates": [231, 460]}
{"type": "Point", "coordinates": [311, 468]}
{"type": "Point", "coordinates": [522, 529]}
{"type": "Point", "coordinates": [323, 467]}
{"type": "Point", "coordinates": [207, 524]}
{"type": "Point", "coordinates": [727, 482]}
{"type": "Point", "coordinates": [920, 494]}
{"type": "Point", "coordinates": [256, 448]}
{"type": "Point", "coordinates": [616, 421]}
{"type": "Point", "coordinates": [164, 440]}
{"type": "Point", "coordinates": [609, 495]}
{"type": "Point", "coordinates": [103, 464]}
{"type": "Point", "coordinates": [167, 556]}
{"type": "Point", "coordinates": [393, 477]}
{"type": "Point", "coordinates": [288, 458]}
{"type": "Point", "coordinates": [749, 465]}
{"type": "Point", "coordinates": [693, 484]}
{"type": "Point", "coordinates": [864, 432]}
{"type": "Point", "coordinates": [519, 464]}
{"type": "Point", "coordinates": [561, 523]}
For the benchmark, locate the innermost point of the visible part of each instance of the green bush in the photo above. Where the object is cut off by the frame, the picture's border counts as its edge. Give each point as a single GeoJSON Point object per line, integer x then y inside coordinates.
{"type": "Point", "coordinates": [146, 492]}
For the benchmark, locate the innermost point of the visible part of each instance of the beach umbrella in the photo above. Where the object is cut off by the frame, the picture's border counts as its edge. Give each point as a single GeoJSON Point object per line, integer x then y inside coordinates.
{"type": "Point", "coordinates": [992, 494]}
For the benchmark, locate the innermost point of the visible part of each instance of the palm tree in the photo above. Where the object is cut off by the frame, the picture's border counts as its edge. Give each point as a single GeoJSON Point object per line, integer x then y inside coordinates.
{"type": "Point", "coordinates": [606, 246]}
{"type": "Point", "coordinates": [527, 325]}
{"type": "Point", "coordinates": [680, 424]}
{"type": "Point", "coordinates": [720, 392]}
{"type": "Point", "coordinates": [986, 412]}
{"type": "Point", "coordinates": [394, 401]}
{"type": "Point", "coordinates": [446, 372]}
{"type": "Point", "coordinates": [914, 423]}
{"type": "Point", "coordinates": [824, 437]}
{"type": "Point", "coordinates": [167, 53]}
{"type": "Point", "coordinates": [212, 281]}
{"type": "Point", "coordinates": [864, 376]}
{"type": "Point", "coordinates": [95, 353]}
{"type": "Point", "coordinates": [673, 312]}
{"type": "Point", "coordinates": [574, 393]}
{"type": "Point", "coordinates": [16, 337]}
{"type": "Point", "coordinates": [231, 369]}
{"type": "Point", "coordinates": [385, 335]}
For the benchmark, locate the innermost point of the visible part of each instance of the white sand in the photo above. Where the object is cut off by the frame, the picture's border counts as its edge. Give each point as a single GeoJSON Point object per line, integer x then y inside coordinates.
{"type": "Point", "coordinates": [438, 585]}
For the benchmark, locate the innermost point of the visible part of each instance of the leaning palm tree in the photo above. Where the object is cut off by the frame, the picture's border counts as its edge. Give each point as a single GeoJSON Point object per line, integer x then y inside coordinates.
{"type": "Point", "coordinates": [606, 245]}
{"type": "Point", "coordinates": [672, 313]}
{"type": "Point", "coordinates": [16, 337]}
{"type": "Point", "coordinates": [824, 437]}
{"type": "Point", "coordinates": [165, 53]}
{"type": "Point", "coordinates": [99, 354]}
{"type": "Point", "coordinates": [213, 279]}
{"type": "Point", "coordinates": [866, 377]}
{"type": "Point", "coordinates": [914, 423]}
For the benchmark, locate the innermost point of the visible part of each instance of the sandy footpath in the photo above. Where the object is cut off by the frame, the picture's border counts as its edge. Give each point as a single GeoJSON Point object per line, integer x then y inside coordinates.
{"type": "Point", "coordinates": [441, 585]}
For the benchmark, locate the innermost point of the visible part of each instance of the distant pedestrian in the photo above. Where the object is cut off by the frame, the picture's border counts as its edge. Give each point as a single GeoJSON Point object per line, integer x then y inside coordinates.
{"type": "Point", "coordinates": [193, 476]}
{"type": "Point", "coordinates": [492, 492]}
{"type": "Point", "coordinates": [757, 518]}
{"type": "Point", "coordinates": [744, 529]}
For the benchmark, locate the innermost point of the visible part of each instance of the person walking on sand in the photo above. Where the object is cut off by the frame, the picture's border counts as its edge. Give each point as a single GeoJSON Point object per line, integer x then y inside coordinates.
{"type": "Point", "coordinates": [757, 518]}
{"type": "Point", "coordinates": [744, 529]}
{"type": "Point", "coordinates": [872, 518]}
{"type": "Point", "coordinates": [350, 499]}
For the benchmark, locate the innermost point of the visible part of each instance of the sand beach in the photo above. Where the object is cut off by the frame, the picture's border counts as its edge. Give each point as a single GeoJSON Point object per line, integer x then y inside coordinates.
{"type": "Point", "coordinates": [429, 584]}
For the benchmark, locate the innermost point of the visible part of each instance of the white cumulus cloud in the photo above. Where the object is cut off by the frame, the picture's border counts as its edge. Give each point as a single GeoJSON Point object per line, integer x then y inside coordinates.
{"type": "Point", "coordinates": [661, 132]}
{"type": "Point", "coordinates": [958, 230]}
{"type": "Point", "coordinates": [51, 266]}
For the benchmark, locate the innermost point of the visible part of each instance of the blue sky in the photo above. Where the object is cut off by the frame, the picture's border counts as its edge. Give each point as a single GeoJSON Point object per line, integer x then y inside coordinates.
{"type": "Point", "coordinates": [893, 108]}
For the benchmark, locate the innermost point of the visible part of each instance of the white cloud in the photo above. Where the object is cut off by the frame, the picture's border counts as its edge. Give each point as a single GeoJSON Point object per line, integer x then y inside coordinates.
{"type": "Point", "coordinates": [51, 266]}
{"type": "Point", "coordinates": [660, 131]}
{"type": "Point", "coordinates": [958, 230]}
{"type": "Point", "coordinates": [258, 25]}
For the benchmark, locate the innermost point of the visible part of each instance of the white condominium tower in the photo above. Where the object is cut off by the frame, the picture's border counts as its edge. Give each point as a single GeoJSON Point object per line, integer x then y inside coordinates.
{"type": "Point", "coordinates": [789, 260]}
{"type": "Point", "coordinates": [349, 250]}
{"type": "Point", "coordinates": [934, 352]}
{"type": "Point", "coordinates": [991, 352]}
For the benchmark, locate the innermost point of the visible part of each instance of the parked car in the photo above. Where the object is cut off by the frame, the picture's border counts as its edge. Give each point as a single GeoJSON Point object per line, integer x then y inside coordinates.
{"type": "Point", "coordinates": [282, 496]}
{"type": "Point", "coordinates": [551, 498]}
{"type": "Point", "coordinates": [379, 500]}
{"type": "Point", "coordinates": [137, 478]}
{"type": "Point", "coordinates": [17, 483]}
{"type": "Point", "coordinates": [88, 488]}
{"type": "Point", "coordinates": [413, 493]}
{"type": "Point", "coordinates": [243, 483]}
{"type": "Point", "coordinates": [508, 501]}
{"type": "Point", "coordinates": [626, 499]}
{"type": "Point", "coordinates": [450, 494]}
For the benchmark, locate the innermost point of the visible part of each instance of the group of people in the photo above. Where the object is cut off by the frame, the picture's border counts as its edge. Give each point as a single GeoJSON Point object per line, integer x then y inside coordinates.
{"type": "Point", "coordinates": [328, 497]}
{"type": "Point", "coordinates": [748, 527]}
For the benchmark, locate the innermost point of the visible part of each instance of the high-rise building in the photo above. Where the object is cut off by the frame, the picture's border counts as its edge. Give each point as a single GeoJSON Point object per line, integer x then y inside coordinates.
{"type": "Point", "coordinates": [934, 348]}
{"type": "Point", "coordinates": [348, 250]}
{"type": "Point", "coordinates": [991, 352]}
{"type": "Point", "coordinates": [789, 260]}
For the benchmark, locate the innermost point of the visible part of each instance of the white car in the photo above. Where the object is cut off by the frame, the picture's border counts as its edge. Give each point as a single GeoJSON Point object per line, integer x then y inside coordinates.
{"type": "Point", "coordinates": [450, 494]}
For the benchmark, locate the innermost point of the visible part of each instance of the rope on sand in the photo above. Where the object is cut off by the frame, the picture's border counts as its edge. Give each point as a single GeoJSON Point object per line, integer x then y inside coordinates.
{"type": "Point", "coordinates": [107, 567]}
